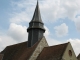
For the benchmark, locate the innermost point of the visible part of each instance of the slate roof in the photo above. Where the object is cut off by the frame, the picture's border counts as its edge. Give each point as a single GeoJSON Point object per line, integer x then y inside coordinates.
{"type": "Point", "coordinates": [1, 56]}
{"type": "Point", "coordinates": [21, 52]}
{"type": "Point", "coordinates": [18, 51]}
{"type": "Point", "coordinates": [52, 52]}
{"type": "Point", "coordinates": [78, 57]}
{"type": "Point", "coordinates": [36, 21]}
{"type": "Point", "coordinates": [37, 15]}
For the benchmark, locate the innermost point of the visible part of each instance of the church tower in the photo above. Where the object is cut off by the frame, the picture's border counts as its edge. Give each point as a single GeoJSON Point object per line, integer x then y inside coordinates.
{"type": "Point", "coordinates": [36, 28]}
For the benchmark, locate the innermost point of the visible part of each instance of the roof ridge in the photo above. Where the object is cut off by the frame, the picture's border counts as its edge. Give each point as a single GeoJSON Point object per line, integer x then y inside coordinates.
{"type": "Point", "coordinates": [36, 45]}
{"type": "Point", "coordinates": [17, 43]}
{"type": "Point", "coordinates": [57, 45]}
{"type": "Point", "coordinates": [78, 55]}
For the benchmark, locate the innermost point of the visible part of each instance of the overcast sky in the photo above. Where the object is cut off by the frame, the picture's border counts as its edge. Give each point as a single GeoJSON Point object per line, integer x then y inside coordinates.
{"type": "Point", "coordinates": [61, 19]}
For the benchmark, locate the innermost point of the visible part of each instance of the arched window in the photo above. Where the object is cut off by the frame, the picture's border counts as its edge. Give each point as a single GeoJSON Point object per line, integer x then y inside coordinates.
{"type": "Point", "coordinates": [70, 53]}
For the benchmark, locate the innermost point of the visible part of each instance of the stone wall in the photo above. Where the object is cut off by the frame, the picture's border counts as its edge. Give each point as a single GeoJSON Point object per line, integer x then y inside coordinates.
{"type": "Point", "coordinates": [43, 43]}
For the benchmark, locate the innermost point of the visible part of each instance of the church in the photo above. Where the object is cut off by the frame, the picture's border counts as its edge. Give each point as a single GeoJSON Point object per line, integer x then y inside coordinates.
{"type": "Point", "coordinates": [37, 48]}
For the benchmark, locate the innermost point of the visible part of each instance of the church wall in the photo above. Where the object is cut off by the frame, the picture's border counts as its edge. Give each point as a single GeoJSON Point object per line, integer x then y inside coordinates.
{"type": "Point", "coordinates": [43, 43]}
{"type": "Point", "coordinates": [69, 53]}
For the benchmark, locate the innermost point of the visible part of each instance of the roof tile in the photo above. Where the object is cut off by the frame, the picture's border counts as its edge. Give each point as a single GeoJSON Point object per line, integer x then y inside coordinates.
{"type": "Point", "coordinates": [1, 56]}
{"type": "Point", "coordinates": [18, 51]}
{"type": "Point", "coordinates": [52, 52]}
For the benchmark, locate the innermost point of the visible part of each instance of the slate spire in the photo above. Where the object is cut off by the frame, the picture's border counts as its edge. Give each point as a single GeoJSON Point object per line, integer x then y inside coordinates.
{"type": "Point", "coordinates": [36, 27]}
{"type": "Point", "coordinates": [37, 15]}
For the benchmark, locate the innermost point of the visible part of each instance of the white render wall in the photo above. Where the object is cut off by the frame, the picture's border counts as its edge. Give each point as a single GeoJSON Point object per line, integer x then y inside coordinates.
{"type": "Point", "coordinates": [66, 53]}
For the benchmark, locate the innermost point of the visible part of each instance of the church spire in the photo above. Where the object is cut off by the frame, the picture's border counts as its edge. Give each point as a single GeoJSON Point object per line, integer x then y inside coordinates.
{"type": "Point", "coordinates": [37, 15]}
{"type": "Point", "coordinates": [36, 28]}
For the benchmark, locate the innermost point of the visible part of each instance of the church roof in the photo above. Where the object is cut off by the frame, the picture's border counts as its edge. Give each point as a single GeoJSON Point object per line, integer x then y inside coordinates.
{"type": "Point", "coordinates": [52, 52]}
{"type": "Point", "coordinates": [78, 56]}
{"type": "Point", "coordinates": [22, 52]}
{"type": "Point", "coordinates": [18, 51]}
{"type": "Point", "coordinates": [1, 56]}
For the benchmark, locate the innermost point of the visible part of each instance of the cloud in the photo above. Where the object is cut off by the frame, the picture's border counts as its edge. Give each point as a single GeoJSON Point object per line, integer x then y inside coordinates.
{"type": "Point", "coordinates": [22, 10]}
{"type": "Point", "coordinates": [6, 41]}
{"type": "Point", "coordinates": [71, 8]}
{"type": "Point", "coordinates": [50, 10]}
{"type": "Point", "coordinates": [0, 39]}
{"type": "Point", "coordinates": [23, 4]}
{"type": "Point", "coordinates": [19, 17]}
{"type": "Point", "coordinates": [18, 32]}
{"type": "Point", "coordinates": [15, 34]}
{"type": "Point", "coordinates": [47, 32]}
{"type": "Point", "coordinates": [77, 23]}
{"type": "Point", "coordinates": [56, 9]}
{"type": "Point", "coordinates": [50, 40]}
{"type": "Point", "coordinates": [61, 30]}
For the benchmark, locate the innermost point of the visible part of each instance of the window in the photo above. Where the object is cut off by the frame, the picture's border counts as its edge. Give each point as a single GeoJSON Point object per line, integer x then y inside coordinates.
{"type": "Point", "coordinates": [70, 53]}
